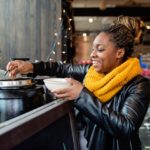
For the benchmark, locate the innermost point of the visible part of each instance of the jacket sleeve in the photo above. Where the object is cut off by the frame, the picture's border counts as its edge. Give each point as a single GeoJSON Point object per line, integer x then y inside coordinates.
{"type": "Point", "coordinates": [119, 124]}
{"type": "Point", "coordinates": [59, 69]}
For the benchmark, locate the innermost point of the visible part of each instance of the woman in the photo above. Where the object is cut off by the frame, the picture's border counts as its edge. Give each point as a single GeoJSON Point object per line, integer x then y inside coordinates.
{"type": "Point", "coordinates": [113, 98]}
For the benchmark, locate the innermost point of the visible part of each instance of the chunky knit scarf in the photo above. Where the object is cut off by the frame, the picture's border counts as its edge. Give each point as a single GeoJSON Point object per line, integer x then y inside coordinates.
{"type": "Point", "coordinates": [106, 86]}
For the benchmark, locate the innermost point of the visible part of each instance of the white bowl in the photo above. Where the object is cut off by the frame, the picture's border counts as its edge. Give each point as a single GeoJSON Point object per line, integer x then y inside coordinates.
{"type": "Point", "coordinates": [56, 83]}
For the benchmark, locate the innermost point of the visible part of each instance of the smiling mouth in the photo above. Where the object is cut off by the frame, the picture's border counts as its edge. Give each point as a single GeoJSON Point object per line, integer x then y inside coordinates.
{"type": "Point", "coordinates": [95, 62]}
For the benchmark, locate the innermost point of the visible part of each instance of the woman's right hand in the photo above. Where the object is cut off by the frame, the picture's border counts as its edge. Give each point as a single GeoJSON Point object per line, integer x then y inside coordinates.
{"type": "Point", "coordinates": [18, 66]}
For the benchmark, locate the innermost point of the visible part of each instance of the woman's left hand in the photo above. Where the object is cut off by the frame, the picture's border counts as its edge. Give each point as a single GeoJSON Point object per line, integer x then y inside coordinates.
{"type": "Point", "coordinates": [70, 93]}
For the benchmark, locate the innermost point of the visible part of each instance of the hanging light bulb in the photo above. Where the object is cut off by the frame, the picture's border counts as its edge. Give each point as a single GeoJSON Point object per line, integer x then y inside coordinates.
{"type": "Point", "coordinates": [148, 27]}
{"type": "Point", "coordinates": [102, 5]}
{"type": "Point", "coordinates": [84, 34]}
{"type": "Point", "coordinates": [90, 20]}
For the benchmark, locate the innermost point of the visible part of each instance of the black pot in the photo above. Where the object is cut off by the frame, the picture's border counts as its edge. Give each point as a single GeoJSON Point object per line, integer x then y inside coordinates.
{"type": "Point", "coordinates": [15, 101]}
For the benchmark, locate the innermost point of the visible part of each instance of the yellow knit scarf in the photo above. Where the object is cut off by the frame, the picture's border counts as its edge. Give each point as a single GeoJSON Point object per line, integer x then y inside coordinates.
{"type": "Point", "coordinates": [106, 86]}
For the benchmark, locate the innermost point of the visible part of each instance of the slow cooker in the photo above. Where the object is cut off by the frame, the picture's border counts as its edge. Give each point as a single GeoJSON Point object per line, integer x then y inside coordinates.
{"type": "Point", "coordinates": [18, 96]}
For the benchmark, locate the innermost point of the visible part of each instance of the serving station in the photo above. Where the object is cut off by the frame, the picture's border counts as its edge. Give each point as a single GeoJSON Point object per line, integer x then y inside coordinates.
{"type": "Point", "coordinates": [50, 126]}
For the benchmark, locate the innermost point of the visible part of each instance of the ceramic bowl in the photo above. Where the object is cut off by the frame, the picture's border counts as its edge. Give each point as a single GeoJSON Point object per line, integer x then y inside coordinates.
{"type": "Point", "coordinates": [56, 83]}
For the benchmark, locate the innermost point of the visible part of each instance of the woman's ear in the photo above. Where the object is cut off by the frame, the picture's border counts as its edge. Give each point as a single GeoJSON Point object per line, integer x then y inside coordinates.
{"type": "Point", "coordinates": [120, 53]}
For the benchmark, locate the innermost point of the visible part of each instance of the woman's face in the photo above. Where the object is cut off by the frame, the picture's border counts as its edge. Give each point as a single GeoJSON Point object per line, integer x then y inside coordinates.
{"type": "Point", "coordinates": [105, 55]}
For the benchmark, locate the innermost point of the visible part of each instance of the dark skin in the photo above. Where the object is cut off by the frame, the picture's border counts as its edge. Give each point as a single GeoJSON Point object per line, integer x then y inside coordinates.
{"type": "Point", "coordinates": [105, 57]}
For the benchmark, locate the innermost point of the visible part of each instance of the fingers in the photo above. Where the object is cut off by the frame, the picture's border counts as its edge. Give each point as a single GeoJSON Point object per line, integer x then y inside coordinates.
{"type": "Point", "coordinates": [18, 66]}
{"type": "Point", "coordinates": [13, 72]}
{"type": "Point", "coordinates": [11, 65]}
{"type": "Point", "coordinates": [59, 95]}
{"type": "Point", "coordinates": [12, 68]}
{"type": "Point", "coordinates": [71, 81]}
{"type": "Point", "coordinates": [70, 93]}
{"type": "Point", "coordinates": [63, 93]}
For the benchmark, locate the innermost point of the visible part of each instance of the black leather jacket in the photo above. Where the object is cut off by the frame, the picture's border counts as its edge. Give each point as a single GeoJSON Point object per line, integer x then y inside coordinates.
{"type": "Point", "coordinates": [109, 126]}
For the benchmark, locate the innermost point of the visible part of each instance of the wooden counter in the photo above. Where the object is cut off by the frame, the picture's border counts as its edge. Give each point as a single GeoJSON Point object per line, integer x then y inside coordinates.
{"type": "Point", "coordinates": [48, 127]}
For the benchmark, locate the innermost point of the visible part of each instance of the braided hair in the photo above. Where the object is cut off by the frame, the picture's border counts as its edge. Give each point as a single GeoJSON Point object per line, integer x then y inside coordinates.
{"type": "Point", "coordinates": [121, 37]}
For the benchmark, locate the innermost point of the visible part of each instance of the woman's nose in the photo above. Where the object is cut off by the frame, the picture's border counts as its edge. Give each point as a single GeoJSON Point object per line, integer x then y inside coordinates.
{"type": "Point", "coordinates": [93, 53]}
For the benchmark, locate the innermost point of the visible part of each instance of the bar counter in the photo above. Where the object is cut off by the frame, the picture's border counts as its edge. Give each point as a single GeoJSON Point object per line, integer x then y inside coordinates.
{"type": "Point", "coordinates": [50, 126]}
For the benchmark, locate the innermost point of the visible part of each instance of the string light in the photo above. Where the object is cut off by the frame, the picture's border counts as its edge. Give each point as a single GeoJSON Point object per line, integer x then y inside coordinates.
{"type": "Point", "coordinates": [63, 52]}
{"type": "Point", "coordinates": [64, 34]}
{"type": "Point", "coordinates": [91, 20]}
{"type": "Point", "coordinates": [55, 34]}
{"type": "Point", "coordinates": [56, 25]}
{"type": "Point", "coordinates": [59, 18]}
{"type": "Point", "coordinates": [51, 59]}
{"type": "Point", "coordinates": [67, 31]}
{"type": "Point", "coordinates": [64, 10]}
{"type": "Point", "coordinates": [53, 52]}
{"type": "Point", "coordinates": [148, 27]}
{"type": "Point", "coordinates": [58, 43]}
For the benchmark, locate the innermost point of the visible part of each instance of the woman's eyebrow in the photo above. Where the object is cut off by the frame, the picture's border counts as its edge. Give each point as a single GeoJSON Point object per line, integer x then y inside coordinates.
{"type": "Point", "coordinates": [99, 44]}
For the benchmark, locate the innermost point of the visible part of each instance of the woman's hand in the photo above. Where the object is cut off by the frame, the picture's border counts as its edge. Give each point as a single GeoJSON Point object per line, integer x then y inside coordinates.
{"type": "Point", "coordinates": [70, 93]}
{"type": "Point", "coordinates": [18, 66]}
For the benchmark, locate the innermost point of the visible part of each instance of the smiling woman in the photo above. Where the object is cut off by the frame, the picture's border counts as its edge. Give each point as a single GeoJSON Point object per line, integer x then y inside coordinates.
{"type": "Point", "coordinates": [113, 98]}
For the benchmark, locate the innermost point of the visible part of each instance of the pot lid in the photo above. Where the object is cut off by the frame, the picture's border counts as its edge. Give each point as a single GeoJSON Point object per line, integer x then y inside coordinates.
{"type": "Point", "coordinates": [17, 82]}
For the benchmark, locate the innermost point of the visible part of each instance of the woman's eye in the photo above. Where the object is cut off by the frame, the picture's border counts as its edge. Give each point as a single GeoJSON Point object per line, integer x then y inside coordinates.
{"type": "Point", "coordinates": [100, 50]}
